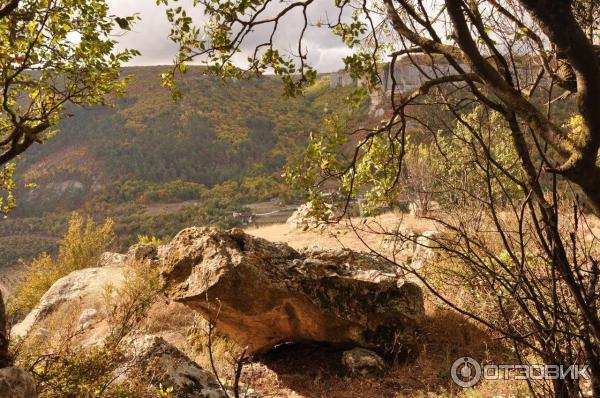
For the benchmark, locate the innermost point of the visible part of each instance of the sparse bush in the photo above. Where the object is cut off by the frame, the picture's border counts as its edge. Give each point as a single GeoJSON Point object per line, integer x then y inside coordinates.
{"type": "Point", "coordinates": [223, 357]}
{"type": "Point", "coordinates": [80, 248]}
{"type": "Point", "coordinates": [224, 351]}
{"type": "Point", "coordinates": [135, 297]}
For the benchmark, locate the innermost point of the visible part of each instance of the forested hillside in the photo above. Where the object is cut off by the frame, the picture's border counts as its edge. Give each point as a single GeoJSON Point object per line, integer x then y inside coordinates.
{"type": "Point", "coordinates": [219, 131]}
{"type": "Point", "coordinates": [221, 146]}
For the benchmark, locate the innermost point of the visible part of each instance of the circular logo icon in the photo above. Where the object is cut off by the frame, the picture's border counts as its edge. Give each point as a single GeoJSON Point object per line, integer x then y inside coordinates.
{"type": "Point", "coordinates": [466, 372]}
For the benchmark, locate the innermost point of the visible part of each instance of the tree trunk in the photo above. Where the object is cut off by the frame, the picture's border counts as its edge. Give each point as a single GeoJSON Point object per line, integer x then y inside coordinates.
{"type": "Point", "coordinates": [595, 381]}
{"type": "Point", "coordinates": [593, 361]}
{"type": "Point", "coordinates": [5, 360]}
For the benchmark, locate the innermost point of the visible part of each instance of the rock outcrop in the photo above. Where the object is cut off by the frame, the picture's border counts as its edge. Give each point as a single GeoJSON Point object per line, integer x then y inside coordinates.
{"type": "Point", "coordinates": [262, 294]}
{"type": "Point", "coordinates": [163, 364]}
{"type": "Point", "coordinates": [84, 286]}
{"type": "Point", "coordinates": [304, 218]}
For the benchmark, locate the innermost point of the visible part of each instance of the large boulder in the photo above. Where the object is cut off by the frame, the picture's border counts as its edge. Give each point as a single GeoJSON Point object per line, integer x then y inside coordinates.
{"type": "Point", "coordinates": [16, 383]}
{"type": "Point", "coordinates": [84, 287]}
{"type": "Point", "coordinates": [261, 294]}
{"type": "Point", "coordinates": [87, 288]}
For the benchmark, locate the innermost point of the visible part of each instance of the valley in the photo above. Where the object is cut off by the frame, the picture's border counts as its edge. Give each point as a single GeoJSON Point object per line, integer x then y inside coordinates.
{"type": "Point", "coordinates": [155, 165]}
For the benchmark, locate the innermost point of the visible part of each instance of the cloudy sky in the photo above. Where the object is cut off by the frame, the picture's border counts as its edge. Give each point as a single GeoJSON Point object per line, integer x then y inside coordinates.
{"type": "Point", "coordinates": [150, 34]}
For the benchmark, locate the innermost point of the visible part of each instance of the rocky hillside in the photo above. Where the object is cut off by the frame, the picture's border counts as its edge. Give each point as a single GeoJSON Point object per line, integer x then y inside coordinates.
{"type": "Point", "coordinates": [213, 312]}
{"type": "Point", "coordinates": [348, 300]}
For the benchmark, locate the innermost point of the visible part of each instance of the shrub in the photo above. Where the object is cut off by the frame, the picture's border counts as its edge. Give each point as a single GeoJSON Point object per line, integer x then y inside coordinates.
{"type": "Point", "coordinates": [135, 297]}
{"type": "Point", "coordinates": [149, 240]}
{"type": "Point", "coordinates": [80, 248]}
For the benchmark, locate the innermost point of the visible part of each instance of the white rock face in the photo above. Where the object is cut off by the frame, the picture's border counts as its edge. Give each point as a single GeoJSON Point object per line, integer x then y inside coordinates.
{"type": "Point", "coordinates": [424, 251]}
{"type": "Point", "coordinates": [303, 218]}
{"type": "Point", "coordinates": [65, 186]}
{"type": "Point", "coordinates": [83, 286]}
{"type": "Point", "coordinates": [16, 383]}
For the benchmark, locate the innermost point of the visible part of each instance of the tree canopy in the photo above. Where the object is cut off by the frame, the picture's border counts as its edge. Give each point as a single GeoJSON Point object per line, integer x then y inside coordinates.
{"type": "Point", "coordinates": [484, 42]}
{"type": "Point", "coordinates": [53, 52]}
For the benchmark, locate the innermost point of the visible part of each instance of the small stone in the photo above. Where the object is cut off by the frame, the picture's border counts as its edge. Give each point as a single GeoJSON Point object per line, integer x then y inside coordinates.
{"type": "Point", "coordinates": [362, 362]}
{"type": "Point", "coordinates": [303, 217]}
{"type": "Point", "coordinates": [141, 252]}
{"type": "Point", "coordinates": [109, 259]}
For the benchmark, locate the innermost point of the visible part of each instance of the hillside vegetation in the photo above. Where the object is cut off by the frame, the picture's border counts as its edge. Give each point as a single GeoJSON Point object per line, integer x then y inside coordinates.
{"type": "Point", "coordinates": [219, 148]}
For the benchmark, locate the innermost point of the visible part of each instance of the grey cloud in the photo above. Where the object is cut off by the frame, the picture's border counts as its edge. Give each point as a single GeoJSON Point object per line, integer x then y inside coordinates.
{"type": "Point", "coordinates": [150, 34]}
